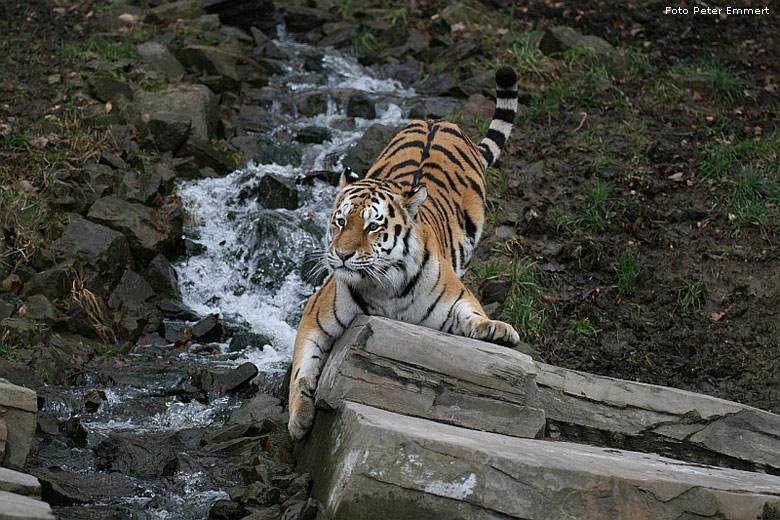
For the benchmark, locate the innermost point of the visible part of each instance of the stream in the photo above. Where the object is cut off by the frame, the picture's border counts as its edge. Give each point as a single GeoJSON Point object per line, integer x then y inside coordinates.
{"type": "Point", "coordinates": [244, 265]}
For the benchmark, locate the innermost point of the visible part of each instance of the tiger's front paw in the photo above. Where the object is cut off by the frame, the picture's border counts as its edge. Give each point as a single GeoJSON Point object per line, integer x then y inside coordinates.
{"type": "Point", "coordinates": [498, 332]}
{"type": "Point", "coordinates": [301, 407]}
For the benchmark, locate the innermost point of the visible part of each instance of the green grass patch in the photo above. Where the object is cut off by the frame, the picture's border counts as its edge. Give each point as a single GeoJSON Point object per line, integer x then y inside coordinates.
{"type": "Point", "coordinates": [584, 327]}
{"type": "Point", "coordinates": [708, 77]}
{"type": "Point", "coordinates": [690, 293]}
{"type": "Point", "coordinates": [626, 272]}
{"type": "Point", "coordinates": [754, 200]}
{"type": "Point", "coordinates": [9, 350]}
{"type": "Point", "coordinates": [723, 157]}
{"type": "Point", "coordinates": [525, 307]}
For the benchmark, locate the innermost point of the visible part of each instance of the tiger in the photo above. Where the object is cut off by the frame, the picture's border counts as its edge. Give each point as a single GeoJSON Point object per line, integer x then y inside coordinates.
{"type": "Point", "coordinates": [399, 240]}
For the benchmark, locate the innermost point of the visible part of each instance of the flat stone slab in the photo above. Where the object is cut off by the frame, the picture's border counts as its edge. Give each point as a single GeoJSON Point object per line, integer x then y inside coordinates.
{"type": "Point", "coordinates": [370, 463]}
{"type": "Point", "coordinates": [19, 483]}
{"type": "Point", "coordinates": [18, 507]}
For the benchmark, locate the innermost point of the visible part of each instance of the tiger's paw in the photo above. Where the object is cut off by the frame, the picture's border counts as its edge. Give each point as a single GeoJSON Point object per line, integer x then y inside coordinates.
{"type": "Point", "coordinates": [301, 407]}
{"type": "Point", "coordinates": [497, 332]}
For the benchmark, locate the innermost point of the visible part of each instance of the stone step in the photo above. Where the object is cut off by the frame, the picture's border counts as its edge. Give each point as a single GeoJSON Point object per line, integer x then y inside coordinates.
{"type": "Point", "coordinates": [425, 373]}
{"type": "Point", "coordinates": [18, 507]}
{"type": "Point", "coordinates": [370, 463]}
{"type": "Point", "coordinates": [18, 409]}
{"type": "Point", "coordinates": [19, 483]}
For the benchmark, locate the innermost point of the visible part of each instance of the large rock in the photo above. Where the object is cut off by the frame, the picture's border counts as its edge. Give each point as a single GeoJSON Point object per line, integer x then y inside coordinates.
{"type": "Point", "coordinates": [361, 156]}
{"type": "Point", "coordinates": [62, 487]}
{"type": "Point", "coordinates": [151, 455]}
{"type": "Point", "coordinates": [161, 59]}
{"type": "Point", "coordinates": [213, 61]}
{"type": "Point", "coordinates": [304, 19]}
{"type": "Point", "coordinates": [245, 13]}
{"type": "Point", "coordinates": [193, 101]}
{"type": "Point", "coordinates": [54, 283]}
{"type": "Point", "coordinates": [18, 507]}
{"type": "Point", "coordinates": [149, 231]}
{"type": "Point", "coordinates": [18, 409]}
{"type": "Point", "coordinates": [597, 51]}
{"type": "Point", "coordinates": [181, 9]}
{"type": "Point", "coordinates": [170, 130]}
{"type": "Point", "coordinates": [20, 483]}
{"type": "Point", "coordinates": [103, 249]}
{"type": "Point", "coordinates": [363, 459]}
{"type": "Point", "coordinates": [162, 277]}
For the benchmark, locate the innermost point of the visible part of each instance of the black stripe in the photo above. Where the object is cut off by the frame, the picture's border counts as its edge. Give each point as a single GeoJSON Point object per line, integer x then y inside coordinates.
{"type": "Point", "coordinates": [476, 187]}
{"type": "Point", "coordinates": [486, 153]}
{"type": "Point", "coordinates": [416, 277]}
{"type": "Point", "coordinates": [448, 154]}
{"type": "Point", "coordinates": [296, 373]}
{"type": "Point", "coordinates": [471, 228]}
{"type": "Point", "coordinates": [403, 146]}
{"type": "Point", "coordinates": [449, 312]}
{"type": "Point", "coordinates": [404, 164]}
{"type": "Point", "coordinates": [444, 173]}
{"type": "Point", "coordinates": [359, 300]}
{"type": "Point", "coordinates": [506, 94]}
{"type": "Point", "coordinates": [505, 114]}
{"type": "Point", "coordinates": [319, 324]}
{"type": "Point", "coordinates": [496, 136]}
{"type": "Point", "coordinates": [467, 159]}
{"type": "Point", "coordinates": [335, 309]}
{"type": "Point", "coordinates": [436, 181]}
{"type": "Point", "coordinates": [433, 305]}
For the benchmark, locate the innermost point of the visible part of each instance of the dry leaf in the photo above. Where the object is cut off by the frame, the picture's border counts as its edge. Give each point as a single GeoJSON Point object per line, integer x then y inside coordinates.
{"type": "Point", "coordinates": [697, 95]}
{"type": "Point", "coordinates": [131, 18]}
{"type": "Point", "coordinates": [717, 316]}
{"type": "Point", "coordinates": [185, 337]}
{"type": "Point", "coordinates": [108, 106]}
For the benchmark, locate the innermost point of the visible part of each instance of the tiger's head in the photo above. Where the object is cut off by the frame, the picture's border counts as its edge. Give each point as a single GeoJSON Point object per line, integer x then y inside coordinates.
{"type": "Point", "coordinates": [372, 233]}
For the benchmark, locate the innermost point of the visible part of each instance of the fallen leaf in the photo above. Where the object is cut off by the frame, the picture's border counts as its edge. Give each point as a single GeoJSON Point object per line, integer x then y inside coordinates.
{"type": "Point", "coordinates": [717, 316]}
{"type": "Point", "coordinates": [185, 337]}
{"type": "Point", "coordinates": [697, 95]}
{"type": "Point", "coordinates": [131, 18]}
{"type": "Point", "coordinates": [108, 106]}
{"type": "Point", "coordinates": [12, 284]}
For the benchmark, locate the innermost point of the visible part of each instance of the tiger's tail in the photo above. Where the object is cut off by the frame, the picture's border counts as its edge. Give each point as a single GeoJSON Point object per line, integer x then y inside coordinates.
{"type": "Point", "coordinates": [503, 117]}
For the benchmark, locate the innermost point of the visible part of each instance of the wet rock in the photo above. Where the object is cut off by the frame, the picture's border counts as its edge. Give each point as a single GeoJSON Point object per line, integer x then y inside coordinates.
{"type": "Point", "coordinates": [245, 13]}
{"type": "Point", "coordinates": [148, 231]}
{"type": "Point", "coordinates": [312, 103]}
{"type": "Point", "coordinates": [313, 63]}
{"type": "Point", "coordinates": [361, 156]}
{"type": "Point", "coordinates": [206, 155]}
{"type": "Point", "coordinates": [313, 134]}
{"type": "Point", "coordinates": [303, 510]}
{"type": "Point", "coordinates": [170, 130]}
{"type": "Point", "coordinates": [254, 413]}
{"type": "Point", "coordinates": [162, 277]}
{"type": "Point", "coordinates": [19, 331]}
{"type": "Point", "coordinates": [59, 487]}
{"type": "Point", "coordinates": [273, 192]}
{"type": "Point", "coordinates": [338, 34]}
{"type": "Point", "coordinates": [227, 510]}
{"type": "Point", "coordinates": [175, 309]}
{"type": "Point", "coordinates": [242, 340]}
{"type": "Point", "coordinates": [212, 61]}
{"type": "Point", "coordinates": [186, 9]}
{"type": "Point", "coordinates": [328, 176]}
{"type": "Point", "coordinates": [433, 107]}
{"type": "Point", "coordinates": [194, 101]}
{"type": "Point", "coordinates": [39, 308]}
{"type": "Point", "coordinates": [131, 290]}
{"type": "Point", "coordinates": [106, 88]}
{"type": "Point", "coordinates": [219, 381]}
{"type": "Point", "coordinates": [208, 329]}
{"type": "Point", "coordinates": [281, 154]}
{"type": "Point", "coordinates": [11, 302]}
{"type": "Point", "coordinates": [93, 400]}
{"type": "Point", "coordinates": [139, 187]}
{"type": "Point", "coordinates": [435, 84]}
{"type": "Point", "coordinates": [304, 19]}
{"type": "Point", "coordinates": [161, 59]}
{"type": "Point", "coordinates": [175, 331]}
{"type": "Point", "coordinates": [598, 52]}
{"type": "Point", "coordinates": [407, 72]}
{"type": "Point", "coordinates": [150, 455]}
{"type": "Point", "coordinates": [103, 249]}
{"type": "Point", "coordinates": [360, 105]}
{"type": "Point", "coordinates": [266, 513]}
{"type": "Point", "coordinates": [256, 494]}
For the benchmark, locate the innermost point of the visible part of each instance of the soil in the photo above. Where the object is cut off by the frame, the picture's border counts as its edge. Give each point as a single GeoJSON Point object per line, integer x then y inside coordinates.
{"type": "Point", "coordinates": [727, 344]}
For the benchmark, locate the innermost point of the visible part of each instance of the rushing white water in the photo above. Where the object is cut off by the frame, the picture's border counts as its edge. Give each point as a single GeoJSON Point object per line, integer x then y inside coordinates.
{"type": "Point", "coordinates": [224, 279]}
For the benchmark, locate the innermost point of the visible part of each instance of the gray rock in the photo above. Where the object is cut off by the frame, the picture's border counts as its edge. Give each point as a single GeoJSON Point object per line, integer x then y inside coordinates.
{"type": "Point", "coordinates": [106, 88]}
{"type": "Point", "coordinates": [281, 154]}
{"type": "Point", "coordinates": [162, 277]}
{"type": "Point", "coordinates": [20, 483]}
{"type": "Point", "coordinates": [39, 308]}
{"type": "Point", "coordinates": [312, 103]}
{"type": "Point", "coordinates": [208, 328]}
{"type": "Point", "coordinates": [218, 381]}
{"type": "Point", "coordinates": [194, 101]}
{"type": "Point", "coordinates": [304, 510]}
{"type": "Point", "coordinates": [361, 156]}
{"type": "Point", "coordinates": [207, 22]}
{"type": "Point", "coordinates": [140, 187]}
{"type": "Point", "coordinates": [433, 107]}
{"type": "Point", "coordinates": [274, 191]}
{"type": "Point", "coordinates": [19, 331]}
{"type": "Point", "coordinates": [313, 134]}
{"type": "Point", "coordinates": [245, 13]}
{"type": "Point", "coordinates": [19, 407]}
{"type": "Point", "coordinates": [148, 231]}
{"type": "Point", "coordinates": [227, 510]}
{"type": "Point", "coordinates": [304, 19]}
{"type": "Point", "coordinates": [360, 105]}
{"type": "Point", "coordinates": [180, 9]}
{"type": "Point", "coordinates": [430, 470]}
{"type": "Point", "coordinates": [175, 309]}
{"type": "Point", "coordinates": [18, 507]}
{"type": "Point", "coordinates": [170, 130]}
{"type": "Point", "coordinates": [131, 290]}
{"type": "Point", "coordinates": [161, 59]}
{"type": "Point", "coordinates": [339, 34]}
{"type": "Point", "coordinates": [265, 513]}
{"type": "Point", "coordinates": [207, 156]}
{"type": "Point", "coordinates": [255, 411]}
{"type": "Point", "coordinates": [56, 283]}
{"type": "Point", "coordinates": [598, 52]}
{"type": "Point", "coordinates": [235, 33]}
{"type": "Point", "coordinates": [151, 455]}
{"type": "Point", "coordinates": [242, 340]}
{"type": "Point", "coordinates": [212, 61]}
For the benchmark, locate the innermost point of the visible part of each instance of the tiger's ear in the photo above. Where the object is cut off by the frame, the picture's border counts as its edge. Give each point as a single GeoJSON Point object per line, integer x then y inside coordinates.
{"type": "Point", "coordinates": [347, 177]}
{"type": "Point", "coordinates": [414, 199]}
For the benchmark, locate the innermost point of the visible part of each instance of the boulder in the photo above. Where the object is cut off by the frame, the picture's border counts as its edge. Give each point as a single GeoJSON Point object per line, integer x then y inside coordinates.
{"type": "Point", "coordinates": [213, 381]}
{"type": "Point", "coordinates": [106, 88]}
{"type": "Point", "coordinates": [360, 105]}
{"type": "Point", "coordinates": [245, 13]}
{"type": "Point", "coordinates": [433, 107]}
{"type": "Point", "coordinates": [18, 409]}
{"type": "Point", "coordinates": [40, 309]}
{"type": "Point", "coordinates": [150, 455]}
{"type": "Point", "coordinates": [243, 340]}
{"type": "Point", "coordinates": [162, 277]}
{"type": "Point", "coordinates": [597, 51]}
{"type": "Point", "coordinates": [18, 507]}
{"type": "Point", "coordinates": [140, 187]}
{"type": "Point", "coordinates": [361, 156]}
{"type": "Point", "coordinates": [20, 331]}
{"type": "Point", "coordinates": [313, 134]}
{"type": "Point", "coordinates": [208, 328]}
{"type": "Point", "coordinates": [161, 59]}
{"type": "Point", "coordinates": [132, 290]}
{"type": "Point", "coordinates": [312, 103]}
{"type": "Point", "coordinates": [362, 458]}
{"type": "Point", "coordinates": [273, 192]}
{"type": "Point", "coordinates": [212, 61]}
{"type": "Point", "coordinates": [20, 483]}
{"type": "Point", "coordinates": [149, 231]}
{"type": "Point", "coordinates": [170, 130]}
{"type": "Point", "coordinates": [305, 19]}
{"type": "Point", "coordinates": [193, 101]}
{"type": "Point", "coordinates": [104, 250]}
{"type": "Point", "coordinates": [54, 283]}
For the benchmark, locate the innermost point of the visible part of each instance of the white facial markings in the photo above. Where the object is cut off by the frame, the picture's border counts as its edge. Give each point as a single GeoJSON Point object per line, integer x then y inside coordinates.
{"type": "Point", "coordinates": [373, 216]}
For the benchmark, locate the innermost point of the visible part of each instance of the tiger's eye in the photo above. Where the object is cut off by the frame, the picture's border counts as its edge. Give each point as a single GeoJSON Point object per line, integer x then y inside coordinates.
{"type": "Point", "coordinates": [340, 222]}
{"type": "Point", "coordinates": [372, 227]}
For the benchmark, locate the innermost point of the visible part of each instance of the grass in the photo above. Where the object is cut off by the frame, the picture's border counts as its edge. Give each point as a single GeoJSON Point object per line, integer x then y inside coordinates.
{"type": "Point", "coordinates": [723, 156]}
{"type": "Point", "coordinates": [626, 272]}
{"type": "Point", "coordinates": [690, 293]}
{"type": "Point", "coordinates": [8, 350]}
{"type": "Point", "coordinates": [526, 308]}
{"type": "Point", "coordinates": [101, 49]}
{"type": "Point", "coordinates": [487, 270]}
{"type": "Point", "coordinates": [365, 41]}
{"type": "Point", "coordinates": [597, 206]}
{"type": "Point", "coordinates": [584, 327]}
{"type": "Point", "coordinates": [707, 77]}
{"type": "Point", "coordinates": [754, 199]}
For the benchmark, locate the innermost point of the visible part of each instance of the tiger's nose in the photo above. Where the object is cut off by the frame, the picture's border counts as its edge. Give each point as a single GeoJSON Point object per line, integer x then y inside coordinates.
{"type": "Point", "coordinates": [344, 255]}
